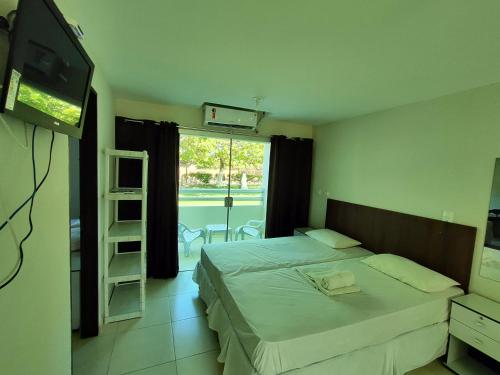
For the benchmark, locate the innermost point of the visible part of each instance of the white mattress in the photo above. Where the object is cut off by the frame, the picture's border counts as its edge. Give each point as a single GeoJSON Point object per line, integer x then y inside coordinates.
{"type": "Point", "coordinates": [395, 357]}
{"type": "Point", "coordinates": [306, 326]}
{"type": "Point", "coordinates": [233, 258]}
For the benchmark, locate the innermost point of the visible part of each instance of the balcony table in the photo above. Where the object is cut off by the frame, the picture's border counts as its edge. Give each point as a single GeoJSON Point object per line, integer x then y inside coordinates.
{"type": "Point", "coordinates": [218, 228]}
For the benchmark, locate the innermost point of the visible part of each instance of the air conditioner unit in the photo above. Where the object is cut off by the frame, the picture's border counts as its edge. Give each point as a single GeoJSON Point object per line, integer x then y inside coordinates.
{"type": "Point", "coordinates": [232, 117]}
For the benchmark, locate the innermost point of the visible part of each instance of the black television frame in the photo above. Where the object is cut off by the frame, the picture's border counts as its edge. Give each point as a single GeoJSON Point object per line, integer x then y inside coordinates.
{"type": "Point", "coordinates": [30, 114]}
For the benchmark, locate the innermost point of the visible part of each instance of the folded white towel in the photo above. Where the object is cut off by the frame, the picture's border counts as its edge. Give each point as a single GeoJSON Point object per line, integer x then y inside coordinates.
{"type": "Point", "coordinates": [333, 279]}
{"type": "Point", "coordinates": [331, 282]}
{"type": "Point", "coordinates": [335, 292]}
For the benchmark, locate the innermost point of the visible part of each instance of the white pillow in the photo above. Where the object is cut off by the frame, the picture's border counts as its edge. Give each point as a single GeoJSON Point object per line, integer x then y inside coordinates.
{"type": "Point", "coordinates": [333, 239]}
{"type": "Point", "coordinates": [410, 273]}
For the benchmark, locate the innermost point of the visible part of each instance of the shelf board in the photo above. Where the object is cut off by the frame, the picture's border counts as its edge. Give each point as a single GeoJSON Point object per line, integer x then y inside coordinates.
{"type": "Point", "coordinates": [125, 302]}
{"type": "Point", "coordinates": [124, 194]}
{"type": "Point", "coordinates": [125, 231]}
{"type": "Point", "coordinates": [127, 154]}
{"type": "Point", "coordinates": [125, 267]}
{"type": "Point", "coordinates": [469, 366]}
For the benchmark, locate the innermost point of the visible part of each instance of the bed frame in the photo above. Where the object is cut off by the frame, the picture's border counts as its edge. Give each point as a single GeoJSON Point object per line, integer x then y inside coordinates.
{"type": "Point", "coordinates": [442, 246]}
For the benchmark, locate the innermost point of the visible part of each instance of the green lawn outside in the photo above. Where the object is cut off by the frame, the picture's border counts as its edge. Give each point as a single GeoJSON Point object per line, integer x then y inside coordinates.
{"type": "Point", "coordinates": [216, 199]}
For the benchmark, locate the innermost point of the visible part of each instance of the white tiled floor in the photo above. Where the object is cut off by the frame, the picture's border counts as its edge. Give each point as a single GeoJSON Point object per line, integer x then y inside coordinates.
{"type": "Point", "coordinates": [172, 339]}
{"type": "Point", "coordinates": [188, 263]}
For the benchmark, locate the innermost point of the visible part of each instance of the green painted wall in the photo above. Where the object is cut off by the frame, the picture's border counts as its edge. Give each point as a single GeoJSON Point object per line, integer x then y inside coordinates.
{"type": "Point", "coordinates": [191, 116]}
{"type": "Point", "coordinates": [35, 308]}
{"type": "Point", "coordinates": [35, 332]}
{"type": "Point", "coordinates": [420, 159]}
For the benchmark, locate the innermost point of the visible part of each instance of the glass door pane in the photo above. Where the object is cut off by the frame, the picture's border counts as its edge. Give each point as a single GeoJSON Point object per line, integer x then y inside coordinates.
{"type": "Point", "coordinates": [249, 172]}
{"type": "Point", "coordinates": [222, 192]}
{"type": "Point", "coordinates": [203, 187]}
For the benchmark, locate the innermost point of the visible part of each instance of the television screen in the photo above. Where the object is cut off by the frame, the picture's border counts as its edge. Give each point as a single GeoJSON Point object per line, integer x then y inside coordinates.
{"type": "Point", "coordinates": [48, 75]}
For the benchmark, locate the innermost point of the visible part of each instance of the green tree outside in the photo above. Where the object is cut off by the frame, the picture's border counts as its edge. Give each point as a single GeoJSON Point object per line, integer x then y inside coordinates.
{"type": "Point", "coordinates": [213, 153]}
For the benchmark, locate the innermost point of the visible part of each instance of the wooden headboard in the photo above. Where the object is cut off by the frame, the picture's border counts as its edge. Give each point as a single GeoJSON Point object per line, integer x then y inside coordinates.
{"type": "Point", "coordinates": [442, 246]}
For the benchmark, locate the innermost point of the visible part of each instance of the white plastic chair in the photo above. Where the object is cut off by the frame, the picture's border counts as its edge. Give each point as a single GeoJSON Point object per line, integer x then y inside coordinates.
{"type": "Point", "coordinates": [253, 228]}
{"type": "Point", "coordinates": [187, 236]}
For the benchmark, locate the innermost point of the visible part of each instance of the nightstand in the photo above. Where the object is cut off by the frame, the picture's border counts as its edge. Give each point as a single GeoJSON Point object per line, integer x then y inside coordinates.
{"type": "Point", "coordinates": [301, 231]}
{"type": "Point", "coordinates": [475, 322]}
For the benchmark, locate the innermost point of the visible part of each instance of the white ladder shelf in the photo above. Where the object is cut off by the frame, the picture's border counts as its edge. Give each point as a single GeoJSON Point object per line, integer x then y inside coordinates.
{"type": "Point", "coordinates": [124, 273]}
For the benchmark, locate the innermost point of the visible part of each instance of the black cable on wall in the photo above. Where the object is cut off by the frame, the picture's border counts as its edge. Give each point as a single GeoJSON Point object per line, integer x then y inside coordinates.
{"type": "Point", "coordinates": [30, 200]}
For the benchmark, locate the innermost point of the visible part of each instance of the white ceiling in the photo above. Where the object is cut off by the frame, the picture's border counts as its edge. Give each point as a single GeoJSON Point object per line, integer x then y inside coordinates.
{"type": "Point", "coordinates": [313, 61]}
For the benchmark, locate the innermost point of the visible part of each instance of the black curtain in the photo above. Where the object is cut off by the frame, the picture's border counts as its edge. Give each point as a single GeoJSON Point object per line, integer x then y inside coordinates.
{"type": "Point", "coordinates": [289, 187]}
{"type": "Point", "coordinates": [161, 141]}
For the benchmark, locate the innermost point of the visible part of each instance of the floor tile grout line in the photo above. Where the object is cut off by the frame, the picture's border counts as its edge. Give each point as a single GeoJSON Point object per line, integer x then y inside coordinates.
{"type": "Point", "coordinates": [210, 350]}
{"type": "Point", "coordinates": [112, 351]}
{"type": "Point", "coordinates": [150, 326]}
{"type": "Point", "coordinates": [93, 338]}
{"type": "Point", "coordinates": [170, 297]}
{"type": "Point", "coordinates": [148, 367]}
{"type": "Point", "coordinates": [114, 341]}
{"type": "Point", "coordinates": [181, 294]}
{"type": "Point", "coordinates": [173, 344]}
{"type": "Point", "coordinates": [173, 295]}
{"type": "Point", "coordinates": [153, 325]}
{"type": "Point", "coordinates": [186, 293]}
{"type": "Point", "coordinates": [193, 317]}
{"type": "Point", "coordinates": [128, 372]}
{"type": "Point", "coordinates": [194, 355]}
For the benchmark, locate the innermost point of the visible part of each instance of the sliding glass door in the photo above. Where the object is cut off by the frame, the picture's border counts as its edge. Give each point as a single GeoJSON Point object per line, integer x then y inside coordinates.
{"type": "Point", "coordinates": [249, 166]}
{"type": "Point", "coordinates": [222, 196]}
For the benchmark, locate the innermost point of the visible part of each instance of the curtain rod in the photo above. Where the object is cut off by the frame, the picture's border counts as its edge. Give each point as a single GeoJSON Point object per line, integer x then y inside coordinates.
{"type": "Point", "coordinates": [203, 130]}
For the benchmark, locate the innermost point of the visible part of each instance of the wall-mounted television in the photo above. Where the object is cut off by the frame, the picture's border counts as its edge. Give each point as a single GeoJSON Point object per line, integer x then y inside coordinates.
{"type": "Point", "coordinates": [48, 74]}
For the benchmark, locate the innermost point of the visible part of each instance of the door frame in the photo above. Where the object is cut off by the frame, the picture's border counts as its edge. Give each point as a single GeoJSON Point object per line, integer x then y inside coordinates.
{"type": "Point", "coordinates": [89, 254]}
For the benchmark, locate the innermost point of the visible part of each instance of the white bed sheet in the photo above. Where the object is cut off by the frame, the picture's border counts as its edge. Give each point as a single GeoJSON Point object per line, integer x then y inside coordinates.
{"type": "Point", "coordinates": [395, 357]}
{"type": "Point", "coordinates": [233, 258]}
{"type": "Point", "coordinates": [306, 326]}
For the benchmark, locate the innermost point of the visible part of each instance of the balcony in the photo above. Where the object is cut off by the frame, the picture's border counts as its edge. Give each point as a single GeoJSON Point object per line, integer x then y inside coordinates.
{"type": "Point", "coordinates": [199, 207]}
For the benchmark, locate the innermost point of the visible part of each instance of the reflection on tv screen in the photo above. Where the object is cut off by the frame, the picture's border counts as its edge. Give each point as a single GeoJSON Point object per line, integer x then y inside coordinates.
{"type": "Point", "coordinates": [52, 106]}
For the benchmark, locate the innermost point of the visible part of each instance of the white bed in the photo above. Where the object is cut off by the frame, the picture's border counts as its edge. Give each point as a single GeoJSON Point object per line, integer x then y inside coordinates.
{"type": "Point", "coordinates": [272, 321]}
{"type": "Point", "coordinates": [321, 334]}
{"type": "Point", "coordinates": [233, 258]}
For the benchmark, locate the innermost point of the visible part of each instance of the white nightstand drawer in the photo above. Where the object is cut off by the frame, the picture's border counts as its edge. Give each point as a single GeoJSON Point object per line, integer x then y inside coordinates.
{"type": "Point", "coordinates": [476, 321]}
{"type": "Point", "coordinates": [473, 338]}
